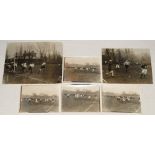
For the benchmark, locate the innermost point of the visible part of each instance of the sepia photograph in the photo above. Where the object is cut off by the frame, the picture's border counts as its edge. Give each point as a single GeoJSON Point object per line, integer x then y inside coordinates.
{"type": "Point", "coordinates": [80, 98]}
{"type": "Point", "coordinates": [121, 98]}
{"type": "Point", "coordinates": [126, 65]}
{"type": "Point", "coordinates": [39, 98]}
{"type": "Point", "coordinates": [33, 63]}
{"type": "Point", "coordinates": [82, 69]}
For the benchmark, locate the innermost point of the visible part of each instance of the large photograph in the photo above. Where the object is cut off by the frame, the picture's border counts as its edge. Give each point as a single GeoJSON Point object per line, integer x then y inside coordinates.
{"type": "Point", "coordinates": [80, 98]}
{"type": "Point", "coordinates": [40, 98]}
{"type": "Point", "coordinates": [121, 98]}
{"type": "Point", "coordinates": [126, 65]}
{"type": "Point", "coordinates": [33, 62]}
{"type": "Point", "coordinates": [82, 69]}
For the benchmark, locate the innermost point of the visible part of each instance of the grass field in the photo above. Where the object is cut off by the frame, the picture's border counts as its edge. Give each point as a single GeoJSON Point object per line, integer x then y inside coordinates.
{"type": "Point", "coordinates": [111, 104]}
{"type": "Point", "coordinates": [132, 76]}
{"type": "Point", "coordinates": [40, 108]}
{"type": "Point", "coordinates": [71, 75]}
{"type": "Point", "coordinates": [52, 74]}
{"type": "Point", "coordinates": [80, 105]}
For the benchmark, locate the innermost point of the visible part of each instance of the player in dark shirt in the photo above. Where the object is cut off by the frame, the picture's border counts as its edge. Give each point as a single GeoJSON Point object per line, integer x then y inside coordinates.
{"type": "Point", "coordinates": [110, 70]}
{"type": "Point", "coordinates": [143, 71]}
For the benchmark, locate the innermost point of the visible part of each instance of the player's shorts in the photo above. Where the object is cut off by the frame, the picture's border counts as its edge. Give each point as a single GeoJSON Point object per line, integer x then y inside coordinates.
{"type": "Point", "coordinates": [117, 66]}
{"type": "Point", "coordinates": [42, 67]}
{"type": "Point", "coordinates": [144, 71]}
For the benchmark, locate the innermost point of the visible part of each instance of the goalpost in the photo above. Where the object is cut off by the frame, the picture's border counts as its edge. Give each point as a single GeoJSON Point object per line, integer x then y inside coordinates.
{"type": "Point", "coordinates": [14, 65]}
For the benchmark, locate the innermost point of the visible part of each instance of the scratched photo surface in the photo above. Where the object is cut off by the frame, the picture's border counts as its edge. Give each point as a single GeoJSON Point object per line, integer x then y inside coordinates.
{"type": "Point", "coordinates": [126, 65]}
{"type": "Point", "coordinates": [121, 98]}
{"type": "Point", "coordinates": [82, 69]}
{"type": "Point", "coordinates": [33, 62]}
{"type": "Point", "coordinates": [80, 98]}
{"type": "Point", "coordinates": [39, 98]}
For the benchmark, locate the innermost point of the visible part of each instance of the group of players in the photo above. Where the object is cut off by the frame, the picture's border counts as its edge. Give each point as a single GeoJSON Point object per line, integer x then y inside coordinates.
{"type": "Point", "coordinates": [126, 65]}
{"type": "Point", "coordinates": [80, 96]}
{"type": "Point", "coordinates": [11, 67]}
{"type": "Point", "coordinates": [91, 69]}
{"type": "Point", "coordinates": [37, 100]}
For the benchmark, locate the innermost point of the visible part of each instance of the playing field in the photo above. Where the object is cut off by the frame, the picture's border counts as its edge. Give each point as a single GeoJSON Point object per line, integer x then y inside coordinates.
{"type": "Point", "coordinates": [38, 108]}
{"type": "Point", "coordinates": [70, 104]}
{"type": "Point", "coordinates": [52, 74]}
{"type": "Point", "coordinates": [111, 104]}
{"type": "Point", "coordinates": [132, 76]}
{"type": "Point", "coordinates": [77, 76]}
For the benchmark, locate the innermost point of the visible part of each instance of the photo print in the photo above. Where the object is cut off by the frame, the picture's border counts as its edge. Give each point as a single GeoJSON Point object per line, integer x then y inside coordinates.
{"type": "Point", "coordinates": [126, 65]}
{"type": "Point", "coordinates": [40, 98]}
{"type": "Point", "coordinates": [33, 63]}
{"type": "Point", "coordinates": [80, 98]}
{"type": "Point", "coordinates": [121, 98]}
{"type": "Point", "coordinates": [82, 69]}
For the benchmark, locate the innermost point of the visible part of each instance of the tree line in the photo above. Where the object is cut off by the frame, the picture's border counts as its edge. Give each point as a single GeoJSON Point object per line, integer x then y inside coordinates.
{"type": "Point", "coordinates": [121, 55]}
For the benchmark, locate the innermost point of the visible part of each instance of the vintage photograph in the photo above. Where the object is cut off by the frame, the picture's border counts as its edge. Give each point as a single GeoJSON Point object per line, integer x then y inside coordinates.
{"type": "Point", "coordinates": [40, 98]}
{"type": "Point", "coordinates": [82, 69]}
{"type": "Point", "coordinates": [33, 62]}
{"type": "Point", "coordinates": [121, 98]}
{"type": "Point", "coordinates": [80, 98]}
{"type": "Point", "coordinates": [126, 65]}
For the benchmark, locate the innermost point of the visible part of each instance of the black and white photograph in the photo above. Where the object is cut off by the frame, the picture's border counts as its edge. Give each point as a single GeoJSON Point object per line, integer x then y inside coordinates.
{"type": "Point", "coordinates": [126, 65]}
{"type": "Point", "coordinates": [40, 98]}
{"type": "Point", "coordinates": [33, 63]}
{"type": "Point", "coordinates": [82, 69]}
{"type": "Point", "coordinates": [80, 98]}
{"type": "Point", "coordinates": [121, 98]}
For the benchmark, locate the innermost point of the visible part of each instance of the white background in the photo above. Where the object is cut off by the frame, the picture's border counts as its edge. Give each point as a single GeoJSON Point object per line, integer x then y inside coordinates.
{"type": "Point", "coordinates": [10, 105]}
{"type": "Point", "coordinates": [77, 20]}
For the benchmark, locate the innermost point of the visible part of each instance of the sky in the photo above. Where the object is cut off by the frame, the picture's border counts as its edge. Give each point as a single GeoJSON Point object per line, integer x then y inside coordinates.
{"type": "Point", "coordinates": [81, 87]}
{"type": "Point", "coordinates": [40, 89]}
{"type": "Point", "coordinates": [119, 88]}
{"type": "Point", "coordinates": [14, 47]}
{"type": "Point", "coordinates": [82, 60]}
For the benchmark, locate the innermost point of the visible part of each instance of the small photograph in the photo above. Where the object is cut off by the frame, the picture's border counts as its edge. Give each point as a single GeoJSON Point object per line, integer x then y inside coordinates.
{"type": "Point", "coordinates": [121, 98]}
{"type": "Point", "coordinates": [39, 98]}
{"type": "Point", "coordinates": [33, 63]}
{"type": "Point", "coordinates": [82, 69]}
{"type": "Point", "coordinates": [81, 98]}
{"type": "Point", "coordinates": [126, 65]}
